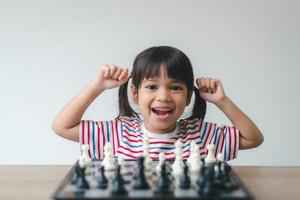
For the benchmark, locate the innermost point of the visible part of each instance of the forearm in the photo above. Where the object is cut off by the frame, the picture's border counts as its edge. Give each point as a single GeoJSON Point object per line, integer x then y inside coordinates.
{"type": "Point", "coordinates": [250, 135]}
{"type": "Point", "coordinates": [72, 113]}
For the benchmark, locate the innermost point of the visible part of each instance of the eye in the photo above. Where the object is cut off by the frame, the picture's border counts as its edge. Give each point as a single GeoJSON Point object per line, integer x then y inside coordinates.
{"type": "Point", "coordinates": [151, 87]}
{"type": "Point", "coordinates": [176, 87]}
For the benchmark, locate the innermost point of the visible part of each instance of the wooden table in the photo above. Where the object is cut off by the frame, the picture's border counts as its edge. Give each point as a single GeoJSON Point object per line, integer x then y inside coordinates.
{"type": "Point", "coordinates": [40, 181]}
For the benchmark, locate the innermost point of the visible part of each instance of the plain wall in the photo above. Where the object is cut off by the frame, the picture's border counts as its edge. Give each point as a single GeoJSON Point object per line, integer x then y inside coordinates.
{"type": "Point", "coordinates": [50, 50]}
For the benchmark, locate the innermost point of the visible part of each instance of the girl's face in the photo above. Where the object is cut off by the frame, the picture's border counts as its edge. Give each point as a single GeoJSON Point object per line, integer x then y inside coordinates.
{"type": "Point", "coordinates": [161, 101]}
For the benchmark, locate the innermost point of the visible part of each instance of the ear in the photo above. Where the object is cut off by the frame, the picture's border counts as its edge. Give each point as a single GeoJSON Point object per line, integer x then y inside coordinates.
{"type": "Point", "coordinates": [134, 93]}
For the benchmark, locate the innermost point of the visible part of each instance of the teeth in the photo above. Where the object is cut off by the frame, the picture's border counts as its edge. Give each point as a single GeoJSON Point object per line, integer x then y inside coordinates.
{"type": "Point", "coordinates": [163, 109]}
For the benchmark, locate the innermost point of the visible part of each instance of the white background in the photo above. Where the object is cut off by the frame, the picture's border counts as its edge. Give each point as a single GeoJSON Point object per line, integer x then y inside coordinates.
{"type": "Point", "coordinates": [50, 50]}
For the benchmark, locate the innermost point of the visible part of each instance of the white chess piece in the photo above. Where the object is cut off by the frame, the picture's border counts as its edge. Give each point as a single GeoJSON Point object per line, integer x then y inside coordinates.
{"type": "Point", "coordinates": [194, 160]}
{"type": "Point", "coordinates": [177, 167]}
{"type": "Point", "coordinates": [147, 160]}
{"type": "Point", "coordinates": [210, 158]}
{"type": "Point", "coordinates": [161, 159]}
{"type": "Point", "coordinates": [108, 161]}
{"type": "Point", "coordinates": [84, 159]}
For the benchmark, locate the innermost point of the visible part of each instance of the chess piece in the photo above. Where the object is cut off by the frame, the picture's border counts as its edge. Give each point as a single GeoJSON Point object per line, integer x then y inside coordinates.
{"type": "Point", "coordinates": [84, 159]}
{"type": "Point", "coordinates": [146, 155]}
{"type": "Point", "coordinates": [121, 162]}
{"type": "Point", "coordinates": [226, 181]}
{"type": "Point", "coordinates": [81, 180]}
{"type": "Point", "coordinates": [108, 161]}
{"type": "Point", "coordinates": [102, 181]}
{"type": "Point", "coordinates": [210, 158]}
{"type": "Point", "coordinates": [140, 181]}
{"type": "Point", "coordinates": [163, 184]}
{"type": "Point", "coordinates": [206, 185]}
{"type": "Point", "coordinates": [194, 160]}
{"type": "Point", "coordinates": [177, 167]}
{"type": "Point", "coordinates": [75, 175]}
{"type": "Point", "coordinates": [161, 159]}
{"type": "Point", "coordinates": [118, 183]}
{"type": "Point", "coordinates": [219, 169]}
{"type": "Point", "coordinates": [185, 181]}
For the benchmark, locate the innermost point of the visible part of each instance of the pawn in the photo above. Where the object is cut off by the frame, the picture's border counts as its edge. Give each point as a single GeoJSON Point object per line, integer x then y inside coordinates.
{"type": "Point", "coordinates": [140, 181]}
{"type": "Point", "coordinates": [118, 183]}
{"type": "Point", "coordinates": [219, 168]}
{"type": "Point", "coordinates": [163, 184]}
{"type": "Point", "coordinates": [102, 181]}
{"type": "Point", "coordinates": [226, 181]}
{"type": "Point", "coordinates": [185, 181]}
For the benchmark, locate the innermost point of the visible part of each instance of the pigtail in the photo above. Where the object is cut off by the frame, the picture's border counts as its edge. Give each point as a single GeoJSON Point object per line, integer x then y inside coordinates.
{"type": "Point", "coordinates": [124, 107]}
{"type": "Point", "coordinates": [199, 109]}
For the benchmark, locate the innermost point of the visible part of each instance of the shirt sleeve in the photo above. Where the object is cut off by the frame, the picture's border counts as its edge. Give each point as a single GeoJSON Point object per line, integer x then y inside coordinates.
{"type": "Point", "coordinates": [97, 133]}
{"type": "Point", "coordinates": [225, 139]}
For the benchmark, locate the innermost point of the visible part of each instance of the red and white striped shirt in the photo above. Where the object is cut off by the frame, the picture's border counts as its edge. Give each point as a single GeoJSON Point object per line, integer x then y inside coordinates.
{"type": "Point", "coordinates": [126, 138]}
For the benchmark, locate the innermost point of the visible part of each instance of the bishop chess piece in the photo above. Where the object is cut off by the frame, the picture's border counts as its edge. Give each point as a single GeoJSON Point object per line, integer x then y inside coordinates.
{"type": "Point", "coordinates": [102, 181]}
{"type": "Point", "coordinates": [140, 182]}
{"type": "Point", "coordinates": [118, 183]}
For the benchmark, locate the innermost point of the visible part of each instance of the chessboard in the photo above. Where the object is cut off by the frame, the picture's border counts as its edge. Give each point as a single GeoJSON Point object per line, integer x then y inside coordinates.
{"type": "Point", "coordinates": [130, 181]}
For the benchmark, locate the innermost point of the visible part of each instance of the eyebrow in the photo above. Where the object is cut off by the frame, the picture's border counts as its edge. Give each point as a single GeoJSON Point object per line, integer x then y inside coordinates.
{"type": "Point", "coordinates": [156, 79]}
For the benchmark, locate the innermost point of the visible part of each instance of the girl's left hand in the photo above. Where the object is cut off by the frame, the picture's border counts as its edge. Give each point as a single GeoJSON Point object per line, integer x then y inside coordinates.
{"type": "Point", "coordinates": [211, 90]}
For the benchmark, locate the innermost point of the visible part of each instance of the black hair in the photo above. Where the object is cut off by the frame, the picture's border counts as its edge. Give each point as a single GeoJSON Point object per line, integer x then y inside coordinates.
{"type": "Point", "coordinates": [147, 65]}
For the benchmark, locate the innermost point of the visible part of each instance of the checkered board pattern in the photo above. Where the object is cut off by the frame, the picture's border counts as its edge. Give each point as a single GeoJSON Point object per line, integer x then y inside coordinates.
{"type": "Point", "coordinates": [67, 191]}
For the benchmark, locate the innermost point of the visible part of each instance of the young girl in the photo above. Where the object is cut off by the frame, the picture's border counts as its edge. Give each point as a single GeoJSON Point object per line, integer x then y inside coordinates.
{"type": "Point", "coordinates": [162, 85]}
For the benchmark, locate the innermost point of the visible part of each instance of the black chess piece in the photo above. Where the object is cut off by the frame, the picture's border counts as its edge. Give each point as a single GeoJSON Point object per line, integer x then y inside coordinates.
{"type": "Point", "coordinates": [75, 175]}
{"type": "Point", "coordinates": [206, 185]}
{"type": "Point", "coordinates": [219, 174]}
{"type": "Point", "coordinates": [226, 182]}
{"type": "Point", "coordinates": [102, 181]}
{"type": "Point", "coordinates": [140, 181]}
{"type": "Point", "coordinates": [81, 181]}
{"type": "Point", "coordinates": [118, 183]}
{"type": "Point", "coordinates": [185, 181]}
{"type": "Point", "coordinates": [163, 183]}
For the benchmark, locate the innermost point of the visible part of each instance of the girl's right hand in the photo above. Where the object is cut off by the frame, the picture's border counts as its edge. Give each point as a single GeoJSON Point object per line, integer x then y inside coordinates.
{"type": "Point", "coordinates": [111, 76]}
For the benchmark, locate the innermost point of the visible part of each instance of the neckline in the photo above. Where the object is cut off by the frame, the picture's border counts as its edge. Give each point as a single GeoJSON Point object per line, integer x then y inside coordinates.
{"type": "Point", "coordinates": [158, 135]}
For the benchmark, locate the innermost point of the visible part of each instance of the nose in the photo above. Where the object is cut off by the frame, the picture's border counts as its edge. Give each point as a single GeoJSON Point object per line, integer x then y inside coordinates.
{"type": "Point", "coordinates": [163, 95]}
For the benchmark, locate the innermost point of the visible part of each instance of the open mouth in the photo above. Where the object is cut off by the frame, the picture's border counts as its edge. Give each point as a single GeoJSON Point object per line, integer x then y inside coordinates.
{"type": "Point", "coordinates": [162, 113]}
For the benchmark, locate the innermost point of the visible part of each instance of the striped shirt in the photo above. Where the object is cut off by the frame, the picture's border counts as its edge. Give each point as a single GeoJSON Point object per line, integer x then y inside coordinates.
{"type": "Point", "coordinates": [126, 138]}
